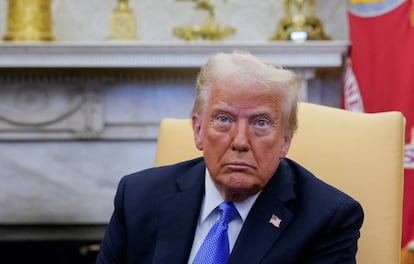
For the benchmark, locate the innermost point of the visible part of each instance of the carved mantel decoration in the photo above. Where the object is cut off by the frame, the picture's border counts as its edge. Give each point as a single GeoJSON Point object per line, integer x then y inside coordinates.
{"type": "Point", "coordinates": [30, 109]}
{"type": "Point", "coordinates": [39, 103]}
{"type": "Point", "coordinates": [69, 104]}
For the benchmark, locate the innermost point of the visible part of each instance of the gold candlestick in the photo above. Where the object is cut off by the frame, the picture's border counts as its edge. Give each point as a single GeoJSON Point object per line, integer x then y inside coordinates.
{"type": "Point", "coordinates": [300, 22]}
{"type": "Point", "coordinates": [29, 20]}
{"type": "Point", "coordinates": [209, 30]}
{"type": "Point", "coordinates": [122, 23]}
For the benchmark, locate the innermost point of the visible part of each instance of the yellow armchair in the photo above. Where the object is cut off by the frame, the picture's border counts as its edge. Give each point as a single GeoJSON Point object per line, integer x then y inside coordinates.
{"type": "Point", "coordinates": [361, 154]}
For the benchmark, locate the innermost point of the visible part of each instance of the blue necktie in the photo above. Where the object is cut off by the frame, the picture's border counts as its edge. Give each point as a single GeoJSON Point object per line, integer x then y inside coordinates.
{"type": "Point", "coordinates": [215, 248]}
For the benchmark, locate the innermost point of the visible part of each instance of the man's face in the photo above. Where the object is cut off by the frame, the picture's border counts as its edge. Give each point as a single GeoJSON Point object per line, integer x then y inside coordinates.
{"type": "Point", "coordinates": [242, 138]}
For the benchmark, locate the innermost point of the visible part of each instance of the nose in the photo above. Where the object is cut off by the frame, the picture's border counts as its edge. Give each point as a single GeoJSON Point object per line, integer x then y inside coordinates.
{"type": "Point", "coordinates": [240, 137]}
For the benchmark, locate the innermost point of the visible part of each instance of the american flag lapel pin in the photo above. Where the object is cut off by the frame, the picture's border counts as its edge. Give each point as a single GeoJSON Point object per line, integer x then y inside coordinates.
{"type": "Point", "coordinates": [275, 221]}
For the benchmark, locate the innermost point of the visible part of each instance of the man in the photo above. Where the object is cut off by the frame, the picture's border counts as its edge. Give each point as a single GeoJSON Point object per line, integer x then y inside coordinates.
{"type": "Point", "coordinates": [243, 119]}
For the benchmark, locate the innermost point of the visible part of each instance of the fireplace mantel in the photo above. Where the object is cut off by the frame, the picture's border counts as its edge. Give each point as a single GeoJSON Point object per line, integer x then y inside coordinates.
{"type": "Point", "coordinates": [312, 54]}
{"type": "Point", "coordinates": [39, 105]}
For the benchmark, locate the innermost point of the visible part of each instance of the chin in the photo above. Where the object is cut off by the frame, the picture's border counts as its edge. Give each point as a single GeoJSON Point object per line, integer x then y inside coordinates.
{"type": "Point", "coordinates": [239, 192]}
{"type": "Point", "coordinates": [240, 182]}
{"type": "Point", "coordinates": [238, 196]}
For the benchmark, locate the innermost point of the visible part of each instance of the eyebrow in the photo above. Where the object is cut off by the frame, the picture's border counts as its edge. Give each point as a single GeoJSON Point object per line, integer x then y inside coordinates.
{"type": "Point", "coordinates": [221, 108]}
{"type": "Point", "coordinates": [261, 112]}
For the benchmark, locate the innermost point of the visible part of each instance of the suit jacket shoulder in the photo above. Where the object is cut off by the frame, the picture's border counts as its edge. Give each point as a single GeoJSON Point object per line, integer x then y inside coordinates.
{"type": "Point", "coordinates": [155, 215]}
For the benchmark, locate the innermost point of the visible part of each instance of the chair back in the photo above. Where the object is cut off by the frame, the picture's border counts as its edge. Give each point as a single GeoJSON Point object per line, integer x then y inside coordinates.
{"type": "Point", "coordinates": [359, 153]}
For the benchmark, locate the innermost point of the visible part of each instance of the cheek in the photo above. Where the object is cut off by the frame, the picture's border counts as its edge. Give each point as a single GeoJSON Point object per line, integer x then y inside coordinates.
{"type": "Point", "coordinates": [215, 139]}
{"type": "Point", "coordinates": [268, 156]}
{"type": "Point", "coordinates": [214, 147]}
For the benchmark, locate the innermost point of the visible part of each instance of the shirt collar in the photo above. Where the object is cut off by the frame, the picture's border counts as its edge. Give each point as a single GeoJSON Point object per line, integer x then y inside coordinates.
{"type": "Point", "coordinates": [212, 198]}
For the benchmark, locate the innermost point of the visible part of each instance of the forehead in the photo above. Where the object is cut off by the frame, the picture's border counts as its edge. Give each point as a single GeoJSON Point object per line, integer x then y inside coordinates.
{"type": "Point", "coordinates": [252, 100]}
{"type": "Point", "coordinates": [242, 88]}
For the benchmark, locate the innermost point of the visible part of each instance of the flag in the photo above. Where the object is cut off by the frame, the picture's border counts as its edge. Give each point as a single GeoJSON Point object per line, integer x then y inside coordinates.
{"type": "Point", "coordinates": [379, 75]}
{"type": "Point", "coordinates": [275, 221]}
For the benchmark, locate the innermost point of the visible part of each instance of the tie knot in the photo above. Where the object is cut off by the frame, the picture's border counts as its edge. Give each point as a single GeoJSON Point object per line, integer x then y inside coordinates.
{"type": "Point", "coordinates": [227, 212]}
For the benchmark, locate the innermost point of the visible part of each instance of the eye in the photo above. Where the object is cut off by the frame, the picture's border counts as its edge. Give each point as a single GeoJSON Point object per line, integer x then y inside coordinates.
{"type": "Point", "coordinates": [262, 126]}
{"type": "Point", "coordinates": [222, 119]}
{"type": "Point", "coordinates": [262, 123]}
{"type": "Point", "coordinates": [222, 122]}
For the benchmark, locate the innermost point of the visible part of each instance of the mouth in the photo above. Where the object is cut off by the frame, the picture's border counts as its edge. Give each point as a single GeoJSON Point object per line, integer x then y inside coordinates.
{"type": "Point", "coordinates": [238, 166]}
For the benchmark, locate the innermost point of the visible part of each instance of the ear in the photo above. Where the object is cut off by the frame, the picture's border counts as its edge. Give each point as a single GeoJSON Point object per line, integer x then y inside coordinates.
{"type": "Point", "coordinates": [197, 131]}
{"type": "Point", "coordinates": [287, 140]}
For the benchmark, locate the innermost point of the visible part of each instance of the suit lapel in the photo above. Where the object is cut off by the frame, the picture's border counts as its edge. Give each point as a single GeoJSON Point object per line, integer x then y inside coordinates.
{"type": "Point", "coordinates": [257, 228]}
{"type": "Point", "coordinates": [178, 217]}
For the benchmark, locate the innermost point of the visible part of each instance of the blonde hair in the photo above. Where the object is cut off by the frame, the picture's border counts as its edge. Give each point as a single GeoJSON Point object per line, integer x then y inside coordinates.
{"type": "Point", "coordinates": [249, 70]}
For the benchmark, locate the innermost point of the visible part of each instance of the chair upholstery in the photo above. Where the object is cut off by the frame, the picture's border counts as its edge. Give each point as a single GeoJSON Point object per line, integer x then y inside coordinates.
{"type": "Point", "coordinates": [361, 154]}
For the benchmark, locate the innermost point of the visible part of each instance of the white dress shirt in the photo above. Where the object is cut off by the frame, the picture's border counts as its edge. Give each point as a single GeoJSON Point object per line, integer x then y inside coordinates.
{"type": "Point", "coordinates": [208, 216]}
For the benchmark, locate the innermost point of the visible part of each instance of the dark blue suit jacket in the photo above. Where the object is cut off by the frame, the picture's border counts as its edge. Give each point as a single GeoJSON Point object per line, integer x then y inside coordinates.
{"type": "Point", "coordinates": [156, 214]}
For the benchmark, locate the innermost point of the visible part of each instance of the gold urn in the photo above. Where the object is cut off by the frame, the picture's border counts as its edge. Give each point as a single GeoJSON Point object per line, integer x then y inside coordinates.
{"type": "Point", "coordinates": [122, 23]}
{"type": "Point", "coordinates": [29, 20]}
{"type": "Point", "coordinates": [209, 30]}
{"type": "Point", "coordinates": [300, 22]}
